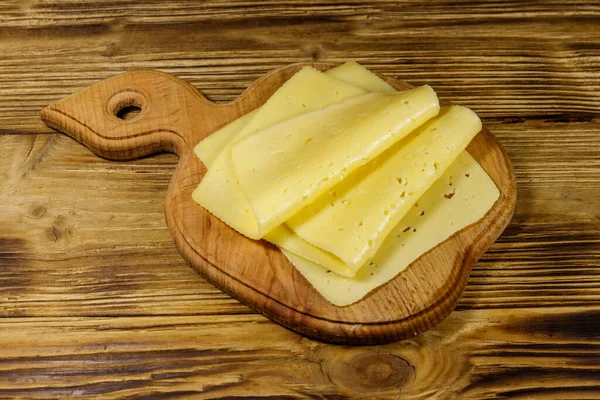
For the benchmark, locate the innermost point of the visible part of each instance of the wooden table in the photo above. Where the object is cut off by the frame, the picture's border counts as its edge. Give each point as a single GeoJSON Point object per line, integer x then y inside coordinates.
{"type": "Point", "coordinates": [95, 300]}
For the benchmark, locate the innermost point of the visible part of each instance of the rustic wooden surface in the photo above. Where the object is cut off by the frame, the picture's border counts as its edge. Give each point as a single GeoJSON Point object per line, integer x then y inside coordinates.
{"type": "Point", "coordinates": [95, 300]}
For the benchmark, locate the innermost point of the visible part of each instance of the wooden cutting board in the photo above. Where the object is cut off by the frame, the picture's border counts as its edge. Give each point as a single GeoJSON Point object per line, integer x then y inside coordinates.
{"type": "Point", "coordinates": [174, 117]}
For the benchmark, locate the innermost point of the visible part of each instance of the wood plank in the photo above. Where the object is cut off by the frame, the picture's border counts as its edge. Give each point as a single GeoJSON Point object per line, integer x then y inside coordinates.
{"type": "Point", "coordinates": [507, 353]}
{"type": "Point", "coordinates": [213, 47]}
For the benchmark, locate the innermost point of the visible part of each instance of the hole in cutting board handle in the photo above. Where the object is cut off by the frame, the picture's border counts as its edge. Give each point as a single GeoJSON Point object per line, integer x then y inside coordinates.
{"type": "Point", "coordinates": [129, 112]}
{"type": "Point", "coordinates": [127, 105]}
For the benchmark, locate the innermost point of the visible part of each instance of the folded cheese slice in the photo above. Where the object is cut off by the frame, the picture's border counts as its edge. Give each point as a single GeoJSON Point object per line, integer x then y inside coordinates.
{"type": "Point", "coordinates": [219, 192]}
{"type": "Point", "coordinates": [352, 220]}
{"type": "Point", "coordinates": [287, 166]}
{"type": "Point", "coordinates": [461, 197]}
{"type": "Point", "coordinates": [350, 72]}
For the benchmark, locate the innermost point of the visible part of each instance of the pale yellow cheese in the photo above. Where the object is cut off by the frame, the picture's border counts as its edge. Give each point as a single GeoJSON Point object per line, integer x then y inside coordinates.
{"type": "Point", "coordinates": [208, 149]}
{"type": "Point", "coordinates": [284, 238]}
{"type": "Point", "coordinates": [286, 167]}
{"type": "Point", "coordinates": [219, 192]}
{"type": "Point", "coordinates": [306, 91]}
{"type": "Point", "coordinates": [352, 220]}
{"type": "Point", "coordinates": [350, 72]}
{"type": "Point", "coordinates": [356, 74]}
{"type": "Point", "coordinates": [462, 196]}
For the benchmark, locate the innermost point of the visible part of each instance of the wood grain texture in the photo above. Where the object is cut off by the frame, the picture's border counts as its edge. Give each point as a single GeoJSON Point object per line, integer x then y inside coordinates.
{"type": "Point", "coordinates": [83, 244]}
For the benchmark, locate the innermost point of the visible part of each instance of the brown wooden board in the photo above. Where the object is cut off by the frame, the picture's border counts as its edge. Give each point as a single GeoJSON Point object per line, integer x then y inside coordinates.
{"type": "Point", "coordinates": [174, 117]}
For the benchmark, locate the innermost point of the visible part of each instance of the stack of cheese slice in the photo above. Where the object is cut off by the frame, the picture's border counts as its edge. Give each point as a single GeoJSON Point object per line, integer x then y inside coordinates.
{"type": "Point", "coordinates": [351, 179]}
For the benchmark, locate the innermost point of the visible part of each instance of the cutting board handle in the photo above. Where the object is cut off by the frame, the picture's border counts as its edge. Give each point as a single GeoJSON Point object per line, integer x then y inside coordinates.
{"type": "Point", "coordinates": [169, 110]}
{"type": "Point", "coordinates": [173, 116]}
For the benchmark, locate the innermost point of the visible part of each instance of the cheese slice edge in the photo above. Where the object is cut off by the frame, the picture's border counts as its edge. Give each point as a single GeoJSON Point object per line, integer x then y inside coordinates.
{"type": "Point", "coordinates": [284, 238]}
{"type": "Point", "coordinates": [208, 149]}
{"type": "Point", "coordinates": [355, 74]}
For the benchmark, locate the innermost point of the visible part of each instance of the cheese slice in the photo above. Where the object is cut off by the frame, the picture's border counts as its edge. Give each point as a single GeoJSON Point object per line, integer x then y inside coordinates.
{"type": "Point", "coordinates": [461, 197]}
{"type": "Point", "coordinates": [219, 191]}
{"type": "Point", "coordinates": [286, 167]}
{"type": "Point", "coordinates": [355, 74]}
{"type": "Point", "coordinates": [208, 149]}
{"type": "Point", "coordinates": [350, 72]}
{"type": "Point", "coordinates": [284, 238]}
{"type": "Point", "coordinates": [352, 220]}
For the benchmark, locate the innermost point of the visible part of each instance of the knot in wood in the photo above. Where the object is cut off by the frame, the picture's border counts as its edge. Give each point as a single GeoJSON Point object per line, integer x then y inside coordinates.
{"type": "Point", "coordinates": [368, 371]}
